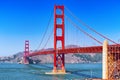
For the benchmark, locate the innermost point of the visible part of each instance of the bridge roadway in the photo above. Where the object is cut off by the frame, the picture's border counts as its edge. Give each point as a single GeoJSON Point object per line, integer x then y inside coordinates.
{"type": "Point", "coordinates": [90, 49]}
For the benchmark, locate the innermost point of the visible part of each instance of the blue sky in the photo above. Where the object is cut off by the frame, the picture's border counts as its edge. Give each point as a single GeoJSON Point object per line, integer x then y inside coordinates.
{"type": "Point", "coordinates": [22, 20]}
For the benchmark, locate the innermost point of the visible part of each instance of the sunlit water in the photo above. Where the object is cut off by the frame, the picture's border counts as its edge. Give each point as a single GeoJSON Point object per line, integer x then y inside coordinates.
{"type": "Point", "coordinates": [37, 72]}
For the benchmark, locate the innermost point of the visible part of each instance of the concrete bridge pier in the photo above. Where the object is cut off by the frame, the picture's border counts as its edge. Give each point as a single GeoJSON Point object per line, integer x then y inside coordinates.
{"type": "Point", "coordinates": [105, 61]}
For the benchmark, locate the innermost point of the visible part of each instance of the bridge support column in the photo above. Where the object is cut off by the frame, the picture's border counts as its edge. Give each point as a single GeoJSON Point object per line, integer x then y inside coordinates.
{"type": "Point", "coordinates": [58, 58]}
{"type": "Point", "coordinates": [105, 61]}
{"type": "Point", "coordinates": [26, 52]}
{"type": "Point", "coordinates": [59, 63]}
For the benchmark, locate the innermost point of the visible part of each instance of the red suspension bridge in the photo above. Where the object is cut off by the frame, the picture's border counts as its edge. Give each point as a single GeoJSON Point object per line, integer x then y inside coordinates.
{"type": "Point", "coordinates": [111, 53]}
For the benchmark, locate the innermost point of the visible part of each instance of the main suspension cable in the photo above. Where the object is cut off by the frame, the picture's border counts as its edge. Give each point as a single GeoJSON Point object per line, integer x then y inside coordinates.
{"type": "Point", "coordinates": [45, 30]}
{"type": "Point", "coordinates": [48, 39]}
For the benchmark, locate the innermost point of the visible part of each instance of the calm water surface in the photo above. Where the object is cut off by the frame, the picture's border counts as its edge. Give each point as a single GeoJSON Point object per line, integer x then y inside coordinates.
{"type": "Point", "coordinates": [37, 72]}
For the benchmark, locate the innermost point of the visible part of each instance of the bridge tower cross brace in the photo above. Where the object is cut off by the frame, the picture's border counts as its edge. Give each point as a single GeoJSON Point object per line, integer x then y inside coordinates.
{"type": "Point", "coordinates": [26, 52]}
{"type": "Point", "coordinates": [58, 58]}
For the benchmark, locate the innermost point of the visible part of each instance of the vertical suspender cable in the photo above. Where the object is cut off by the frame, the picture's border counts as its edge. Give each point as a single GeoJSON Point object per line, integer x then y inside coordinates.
{"type": "Point", "coordinates": [88, 26]}
{"type": "Point", "coordinates": [82, 30]}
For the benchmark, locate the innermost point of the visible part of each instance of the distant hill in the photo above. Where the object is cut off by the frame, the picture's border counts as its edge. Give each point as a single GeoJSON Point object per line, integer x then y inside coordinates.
{"type": "Point", "coordinates": [69, 58]}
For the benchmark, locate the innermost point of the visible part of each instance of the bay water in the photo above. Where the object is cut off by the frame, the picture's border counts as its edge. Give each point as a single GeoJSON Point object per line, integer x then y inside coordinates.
{"type": "Point", "coordinates": [79, 71]}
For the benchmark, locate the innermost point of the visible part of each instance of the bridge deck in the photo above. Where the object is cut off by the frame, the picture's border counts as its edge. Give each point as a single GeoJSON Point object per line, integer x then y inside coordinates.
{"type": "Point", "coordinates": [91, 49]}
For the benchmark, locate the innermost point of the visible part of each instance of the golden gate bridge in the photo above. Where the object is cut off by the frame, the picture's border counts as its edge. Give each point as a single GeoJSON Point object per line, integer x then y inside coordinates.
{"type": "Point", "coordinates": [110, 53]}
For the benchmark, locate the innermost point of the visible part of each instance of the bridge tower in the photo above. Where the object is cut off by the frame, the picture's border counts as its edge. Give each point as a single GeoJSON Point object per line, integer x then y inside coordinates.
{"type": "Point", "coordinates": [58, 58]}
{"type": "Point", "coordinates": [26, 52]}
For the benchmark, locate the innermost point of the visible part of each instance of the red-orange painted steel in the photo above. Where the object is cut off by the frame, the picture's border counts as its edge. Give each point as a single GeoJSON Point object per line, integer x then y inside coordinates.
{"type": "Point", "coordinates": [42, 52]}
{"type": "Point", "coordinates": [26, 53]}
{"type": "Point", "coordinates": [84, 50]}
{"type": "Point", "coordinates": [58, 58]}
{"type": "Point", "coordinates": [92, 49]}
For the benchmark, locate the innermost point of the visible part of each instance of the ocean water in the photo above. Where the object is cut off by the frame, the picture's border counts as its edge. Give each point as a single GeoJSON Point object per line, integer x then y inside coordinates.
{"type": "Point", "coordinates": [37, 72]}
